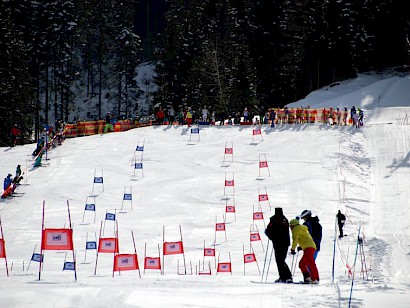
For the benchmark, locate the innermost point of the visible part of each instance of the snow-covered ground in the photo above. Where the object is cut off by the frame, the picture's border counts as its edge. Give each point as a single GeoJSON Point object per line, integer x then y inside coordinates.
{"type": "Point", "coordinates": [363, 172]}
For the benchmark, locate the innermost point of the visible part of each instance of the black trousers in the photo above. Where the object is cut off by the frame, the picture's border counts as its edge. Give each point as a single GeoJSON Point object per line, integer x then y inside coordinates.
{"type": "Point", "coordinates": [283, 269]}
{"type": "Point", "coordinates": [341, 229]}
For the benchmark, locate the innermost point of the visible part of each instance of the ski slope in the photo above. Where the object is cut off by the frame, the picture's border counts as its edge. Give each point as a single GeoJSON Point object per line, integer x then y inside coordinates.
{"type": "Point", "coordinates": [364, 173]}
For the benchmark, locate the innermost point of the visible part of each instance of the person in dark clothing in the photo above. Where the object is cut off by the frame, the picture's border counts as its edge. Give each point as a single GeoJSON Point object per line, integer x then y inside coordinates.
{"type": "Point", "coordinates": [314, 227]}
{"type": "Point", "coordinates": [278, 232]}
{"type": "Point", "coordinates": [108, 124]}
{"type": "Point", "coordinates": [341, 218]}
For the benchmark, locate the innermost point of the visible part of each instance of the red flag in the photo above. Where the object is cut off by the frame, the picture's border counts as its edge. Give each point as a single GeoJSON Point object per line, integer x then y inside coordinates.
{"type": "Point", "coordinates": [209, 252]}
{"type": "Point", "coordinates": [152, 263]}
{"type": "Point", "coordinates": [255, 237]}
{"type": "Point", "coordinates": [173, 248]}
{"type": "Point", "coordinates": [125, 262]}
{"type": "Point", "coordinates": [220, 226]}
{"type": "Point", "coordinates": [108, 245]}
{"type": "Point", "coordinates": [57, 239]}
{"type": "Point", "coordinates": [230, 209]}
{"type": "Point", "coordinates": [228, 150]}
{"type": "Point", "coordinates": [2, 248]}
{"type": "Point", "coordinates": [249, 257]}
{"type": "Point", "coordinates": [224, 267]}
{"type": "Point", "coordinates": [257, 216]}
{"type": "Point", "coordinates": [263, 197]}
{"type": "Point", "coordinates": [257, 131]}
{"type": "Point", "coordinates": [229, 183]}
{"type": "Point", "coordinates": [263, 164]}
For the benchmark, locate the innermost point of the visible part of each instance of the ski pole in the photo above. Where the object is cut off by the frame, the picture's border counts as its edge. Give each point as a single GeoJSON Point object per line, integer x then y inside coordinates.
{"type": "Point", "coordinates": [294, 268]}
{"type": "Point", "coordinates": [270, 259]}
{"type": "Point", "coordinates": [266, 255]}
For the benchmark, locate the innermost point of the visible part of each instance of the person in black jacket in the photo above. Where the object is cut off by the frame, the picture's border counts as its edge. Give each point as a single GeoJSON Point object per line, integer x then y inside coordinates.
{"type": "Point", "coordinates": [314, 227]}
{"type": "Point", "coordinates": [340, 222]}
{"type": "Point", "coordinates": [278, 232]}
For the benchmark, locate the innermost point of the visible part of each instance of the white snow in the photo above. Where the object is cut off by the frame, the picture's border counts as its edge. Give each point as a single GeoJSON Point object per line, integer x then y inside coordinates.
{"type": "Point", "coordinates": [365, 173]}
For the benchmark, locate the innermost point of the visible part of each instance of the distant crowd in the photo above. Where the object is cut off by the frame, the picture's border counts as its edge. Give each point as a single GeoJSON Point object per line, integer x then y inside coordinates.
{"type": "Point", "coordinates": [49, 138]}
{"type": "Point", "coordinates": [299, 115]}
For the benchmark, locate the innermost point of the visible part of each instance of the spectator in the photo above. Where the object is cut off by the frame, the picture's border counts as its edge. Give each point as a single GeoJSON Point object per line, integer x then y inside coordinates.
{"type": "Point", "coordinates": [108, 125]}
{"type": "Point", "coordinates": [15, 132]}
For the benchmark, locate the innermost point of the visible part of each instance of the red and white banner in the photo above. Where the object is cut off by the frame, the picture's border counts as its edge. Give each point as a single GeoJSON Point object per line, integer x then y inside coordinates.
{"type": "Point", "coordinates": [2, 249]}
{"type": "Point", "coordinates": [263, 197]}
{"type": "Point", "coordinates": [255, 237]}
{"type": "Point", "coordinates": [152, 263]}
{"type": "Point", "coordinates": [108, 245]}
{"type": "Point", "coordinates": [209, 252]}
{"type": "Point", "coordinates": [228, 150]}
{"type": "Point", "coordinates": [257, 216]}
{"type": "Point", "coordinates": [224, 267]}
{"type": "Point", "coordinates": [57, 239]}
{"type": "Point", "coordinates": [173, 248]}
{"type": "Point", "coordinates": [257, 131]}
{"type": "Point", "coordinates": [125, 262]}
{"type": "Point", "coordinates": [229, 183]}
{"type": "Point", "coordinates": [249, 257]}
{"type": "Point", "coordinates": [263, 164]}
{"type": "Point", "coordinates": [220, 226]}
{"type": "Point", "coordinates": [230, 209]}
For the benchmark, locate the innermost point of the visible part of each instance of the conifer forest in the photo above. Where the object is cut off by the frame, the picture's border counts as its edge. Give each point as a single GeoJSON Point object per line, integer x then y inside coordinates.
{"type": "Point", "coordinates": [223, 54]}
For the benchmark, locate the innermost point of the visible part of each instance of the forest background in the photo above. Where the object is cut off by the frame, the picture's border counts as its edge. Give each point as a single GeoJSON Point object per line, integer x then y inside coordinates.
{"type": "Point", "coordinates": [60, 57]}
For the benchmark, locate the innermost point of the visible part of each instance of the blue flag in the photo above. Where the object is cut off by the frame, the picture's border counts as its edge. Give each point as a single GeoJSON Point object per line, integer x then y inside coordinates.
{"type": "Point", "coordinates": [109, 216]}
{"type": "Point", "coordinates": [127, 196]}
{"type": "Point", "coordinates": [37, 257]}
{"type": "Point", "coordinates": [69, 266]}
{"type": "Point", "coordinates": [98, 180]}
{"type": "Point", "coordinates": [194, 130]}
{"type": "Point", "coordinates": [138, 165]}
{"type": "Point", "coordinates": [91, 245]}
{"type": "Point", "coordinates": [139, 148]}
{"type": "Point", "coordinates": [90, 207]}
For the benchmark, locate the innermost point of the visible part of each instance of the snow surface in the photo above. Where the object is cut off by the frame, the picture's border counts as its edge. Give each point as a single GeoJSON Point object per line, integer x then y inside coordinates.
{"type": "Point", "coordinates": [365, 173]}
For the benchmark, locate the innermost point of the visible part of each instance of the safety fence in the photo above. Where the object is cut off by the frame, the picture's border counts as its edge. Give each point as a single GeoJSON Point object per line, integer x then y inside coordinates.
{"type": "Point", "coordinates": [89, 128]}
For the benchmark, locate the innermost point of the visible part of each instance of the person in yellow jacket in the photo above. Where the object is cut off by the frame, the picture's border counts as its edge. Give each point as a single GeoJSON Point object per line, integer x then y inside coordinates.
{"type": "Point", "coordinates": [302, 237]}
{"type": "Point", "coordinates": [188, 118]}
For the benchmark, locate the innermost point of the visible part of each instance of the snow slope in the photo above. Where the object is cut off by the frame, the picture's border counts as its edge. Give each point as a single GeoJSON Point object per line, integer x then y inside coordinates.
{"type": "Point", "coordinates": [365, 173]}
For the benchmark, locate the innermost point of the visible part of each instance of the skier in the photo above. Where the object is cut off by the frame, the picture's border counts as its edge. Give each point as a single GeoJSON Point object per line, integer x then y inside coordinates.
{"type": "Point", "coordinates": [314, 227]}
{"type": "Point", "coordinates": [340, 222]}
{"type": "Point", "coordinates": [278, 232]}
{"type": "Point", "coordinates": [301, 237]}
{"type": "Point", "coordinates": [18, 170]}
{"type": "Point", "coordinates": [7, 181]}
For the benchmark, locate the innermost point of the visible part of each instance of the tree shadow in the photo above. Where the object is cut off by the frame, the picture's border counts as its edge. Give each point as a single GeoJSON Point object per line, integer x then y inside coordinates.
{"type": "Point", "coordinates": [396, 164]}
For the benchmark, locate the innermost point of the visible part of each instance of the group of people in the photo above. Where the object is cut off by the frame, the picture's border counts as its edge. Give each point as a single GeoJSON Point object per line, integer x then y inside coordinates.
{"type": "Point", "coordinates": [10, 183]}
{"type": "Point", "coordinates": [306, 237]}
